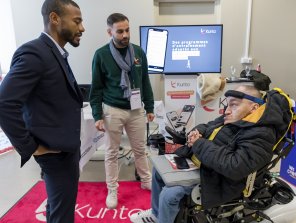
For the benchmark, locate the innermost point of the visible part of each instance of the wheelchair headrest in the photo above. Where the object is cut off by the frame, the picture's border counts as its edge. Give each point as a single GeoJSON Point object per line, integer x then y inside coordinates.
{"type": "Point", "coordinates": [241, 95]}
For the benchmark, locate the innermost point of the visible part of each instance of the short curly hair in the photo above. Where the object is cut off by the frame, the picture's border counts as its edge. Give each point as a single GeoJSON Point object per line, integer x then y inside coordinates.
{"type": "Point", "coordinates": [56, 6]}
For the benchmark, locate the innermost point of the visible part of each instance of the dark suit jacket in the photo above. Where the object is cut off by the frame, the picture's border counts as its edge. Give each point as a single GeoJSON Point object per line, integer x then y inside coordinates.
{"type": "Point", "coordinates": [39, 104]}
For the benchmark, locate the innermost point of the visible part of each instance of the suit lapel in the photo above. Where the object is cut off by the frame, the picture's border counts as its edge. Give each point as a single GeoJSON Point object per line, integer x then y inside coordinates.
{"type": "Point", "coordinates": [63, 64]}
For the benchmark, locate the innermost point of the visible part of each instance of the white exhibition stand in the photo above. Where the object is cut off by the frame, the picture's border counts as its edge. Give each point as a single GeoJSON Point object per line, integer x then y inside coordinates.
{"type": "Point", "coordinates": [91, 139]}
{"type": "Point", "coordinates": [180, 101]}
{"type": "Point", "coordinates": [5, 144]}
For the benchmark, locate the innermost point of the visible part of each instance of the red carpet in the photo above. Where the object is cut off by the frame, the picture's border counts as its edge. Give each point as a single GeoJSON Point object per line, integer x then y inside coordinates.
{"type": "Point", "coordinates": [90, 206]}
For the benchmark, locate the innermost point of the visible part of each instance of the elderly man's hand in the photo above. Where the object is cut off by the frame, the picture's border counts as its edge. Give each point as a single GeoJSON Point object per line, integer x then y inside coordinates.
{"type": "Point", "coordinates": [192, 137]}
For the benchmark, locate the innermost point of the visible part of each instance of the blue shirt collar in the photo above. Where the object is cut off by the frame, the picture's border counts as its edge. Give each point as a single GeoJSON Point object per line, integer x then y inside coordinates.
{"type": "Point", "coordinates": [63, 51]}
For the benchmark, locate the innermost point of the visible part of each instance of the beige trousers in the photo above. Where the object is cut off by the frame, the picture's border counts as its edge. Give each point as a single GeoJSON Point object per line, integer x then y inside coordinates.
{"type": "Point", "coordinates": [134, 123]}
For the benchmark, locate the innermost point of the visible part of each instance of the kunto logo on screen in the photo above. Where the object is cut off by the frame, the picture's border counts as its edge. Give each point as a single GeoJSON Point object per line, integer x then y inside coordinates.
{"type": "Point", "coordinates": [207, 31]}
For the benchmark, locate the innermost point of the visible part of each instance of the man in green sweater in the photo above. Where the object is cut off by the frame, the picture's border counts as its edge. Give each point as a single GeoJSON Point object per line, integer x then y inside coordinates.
{"type": "Point", "coordinates": [120, 84]}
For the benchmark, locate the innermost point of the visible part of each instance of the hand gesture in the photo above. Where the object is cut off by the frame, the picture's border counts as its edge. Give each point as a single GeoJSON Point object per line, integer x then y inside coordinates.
{"type": "Point", "coordinates": [192, 137]}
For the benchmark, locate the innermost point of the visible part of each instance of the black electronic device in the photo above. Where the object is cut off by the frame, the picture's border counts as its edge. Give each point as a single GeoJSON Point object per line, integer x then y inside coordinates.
{"type": "Point", "coordinates": [181, 162]}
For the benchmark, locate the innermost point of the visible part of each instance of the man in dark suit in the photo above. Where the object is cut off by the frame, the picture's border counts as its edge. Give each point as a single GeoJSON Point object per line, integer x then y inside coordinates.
{"type": "Point", "coordinates": [40, 106]}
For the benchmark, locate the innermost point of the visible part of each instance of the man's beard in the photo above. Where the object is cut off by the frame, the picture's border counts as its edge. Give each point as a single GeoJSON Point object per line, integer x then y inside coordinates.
{"type": "Point", "coordinates": [69, 37]}
{"type": "Point", "coordinates": [121, 43]}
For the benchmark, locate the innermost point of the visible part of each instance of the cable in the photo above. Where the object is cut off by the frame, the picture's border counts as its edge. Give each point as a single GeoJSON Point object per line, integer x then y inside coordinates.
{"type": "Point", "coordinates": [121, 155]}
{"type": "Point", "coordinates": [153, 131]}
{"type": "Point", "coordinates": [125, 155]}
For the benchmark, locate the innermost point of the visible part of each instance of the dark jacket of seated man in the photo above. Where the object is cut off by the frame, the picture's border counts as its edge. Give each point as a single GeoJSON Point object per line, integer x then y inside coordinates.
{"type": "Point", "coordinates": [242, 145]}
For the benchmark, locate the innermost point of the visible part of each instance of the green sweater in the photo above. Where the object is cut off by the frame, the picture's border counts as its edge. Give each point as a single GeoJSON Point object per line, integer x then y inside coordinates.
{"type": "Point", "coordinates": [106, 76]}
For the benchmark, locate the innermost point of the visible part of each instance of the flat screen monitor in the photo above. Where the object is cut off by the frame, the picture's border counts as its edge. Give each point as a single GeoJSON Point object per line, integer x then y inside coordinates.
{"type": "Point", "coordinates": [182, 49]}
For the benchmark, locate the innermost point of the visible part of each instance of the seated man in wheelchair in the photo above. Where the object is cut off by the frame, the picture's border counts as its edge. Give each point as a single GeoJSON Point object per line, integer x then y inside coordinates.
{"type": "Point", "coordinates": [229, 148]}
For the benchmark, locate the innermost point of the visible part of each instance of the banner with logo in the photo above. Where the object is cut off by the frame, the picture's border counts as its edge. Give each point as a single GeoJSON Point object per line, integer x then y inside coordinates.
{"type": "Point", "coordinates": [180, 101]}
{"type": "Point", "coordinates": [288, 165]}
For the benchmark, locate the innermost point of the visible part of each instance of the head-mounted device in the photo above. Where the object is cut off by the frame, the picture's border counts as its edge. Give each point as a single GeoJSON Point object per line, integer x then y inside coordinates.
{"type": "Point", "coordinates": [241, 95]}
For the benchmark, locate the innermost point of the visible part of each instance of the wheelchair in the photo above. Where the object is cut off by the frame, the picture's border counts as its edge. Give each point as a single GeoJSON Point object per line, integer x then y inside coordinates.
{"type": "Point", "coordinates": [264, 190]}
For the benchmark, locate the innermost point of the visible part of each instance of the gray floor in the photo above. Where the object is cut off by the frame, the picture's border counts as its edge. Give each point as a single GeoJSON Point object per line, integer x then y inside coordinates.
{"type": "Point", "coordinates": [16, 181]}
